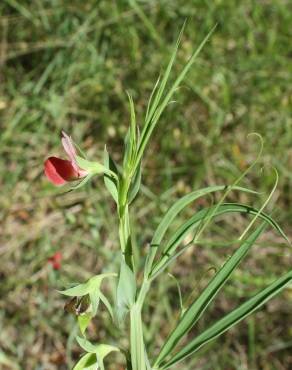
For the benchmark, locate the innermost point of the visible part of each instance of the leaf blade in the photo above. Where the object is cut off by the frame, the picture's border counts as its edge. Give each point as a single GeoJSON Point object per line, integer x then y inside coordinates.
{"type": "Point", "coordinates": [194, 222]}
{"type": "Point", "coordinates": [110, 183]}
{"type": "Point", "coordinates": [231, 319]}
{"type": "Point", "coordinates": [173, 211]}
{"type": "Point", "coordinates": [126, 290]}
{"type": "Point", "coordinates": [197, 308]}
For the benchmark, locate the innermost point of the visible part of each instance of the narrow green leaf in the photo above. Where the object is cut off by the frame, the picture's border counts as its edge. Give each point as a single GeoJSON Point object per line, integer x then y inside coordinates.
{"type": "Point", "coordinates": [126, 290]}
{"type": "Point", "coordinates": [110, 183]}
{"type": "Point", "coordinates": [136, 183]}
{"type": "Point", "coordinates": [195, 311]}
{"type": "Point", "coordinates": [127, 151]}
{"type": "Point", "coordinates": [160, 90]}
{"type": "Point", "coordinates": [133, 131]}
{"type": "Point", "coordinates": [173, 211]}
{"type": "Point", "coordinates": [230, 319]}
{"type": "Point", "coordinates": [158, 106]}
{"type": "Point", "coordinates": [152, 95]}
{"type": "Point", "coordinates": [194, 222]}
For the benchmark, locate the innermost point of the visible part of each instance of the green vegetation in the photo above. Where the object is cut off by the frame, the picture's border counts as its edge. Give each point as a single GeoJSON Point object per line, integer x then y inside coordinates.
{"type": "Point", "coordinates": [66, 65]}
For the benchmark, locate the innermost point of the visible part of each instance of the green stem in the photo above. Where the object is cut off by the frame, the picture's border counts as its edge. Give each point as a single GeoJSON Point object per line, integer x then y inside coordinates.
{"type": "Point", "coordinates": [123, 212]}
{"type": "Point", "coordinates": [137, 341]}
{"type": "Point", "coordinates": [143, 291]}
{"type": "Point", "coordinates": [124, 229]}
{"type": "Point", "coordinates": [138, 351]}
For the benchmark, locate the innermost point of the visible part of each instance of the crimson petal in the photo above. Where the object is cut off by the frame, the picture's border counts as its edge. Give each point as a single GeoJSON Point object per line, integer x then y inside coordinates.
{"type": "Point", "coordinates": [59, 171]}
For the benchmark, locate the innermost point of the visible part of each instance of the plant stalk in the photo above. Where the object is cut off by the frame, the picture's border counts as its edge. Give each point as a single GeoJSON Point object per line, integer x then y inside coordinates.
{"type": "Point", "coordinates": [138, 352]}
{"type": "Point", "coordinates": [137, 346]}
{"type": "Point", "coordinates": [137, 341]}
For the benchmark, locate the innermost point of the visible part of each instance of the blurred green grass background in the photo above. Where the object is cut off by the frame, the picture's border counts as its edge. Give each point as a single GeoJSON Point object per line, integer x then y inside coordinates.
{"type": "Point", "coordinates": [66, 65]}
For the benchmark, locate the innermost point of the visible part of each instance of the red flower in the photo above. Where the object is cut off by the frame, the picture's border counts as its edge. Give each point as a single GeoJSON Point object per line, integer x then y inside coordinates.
{"type": "Point", "coordinates": [55, 260]}
{"type": "Point", "coordinates": [59, 171]}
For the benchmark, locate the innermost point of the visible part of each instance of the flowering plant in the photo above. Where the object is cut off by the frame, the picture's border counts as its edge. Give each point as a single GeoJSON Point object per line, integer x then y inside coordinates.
{"type": "Point", "coordinates": [123, 183]}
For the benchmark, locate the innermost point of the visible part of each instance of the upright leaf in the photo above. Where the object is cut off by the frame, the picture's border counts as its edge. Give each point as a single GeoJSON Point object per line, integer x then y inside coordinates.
{"type": "Point", "coordinates": [229, 320]}
{"type": "Point", "coordinates": [132, 142]}
{"type": "Point", "coordinates": [173, 211]}
{"type": "Point", "coordinates": [126, 290]}
{"type": "Point", "coordinates": [110, 182]}
{"type": "Point", "coordinates": [195, 311]}
{"type": "Point", "coordinates": [160, 102]}
{"type": "Point", "coordinates": [193, 223]}
{"type": "Point", "coordinates": [127, 151]}
{"type": "Point", "coordinates": [136, 183]}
